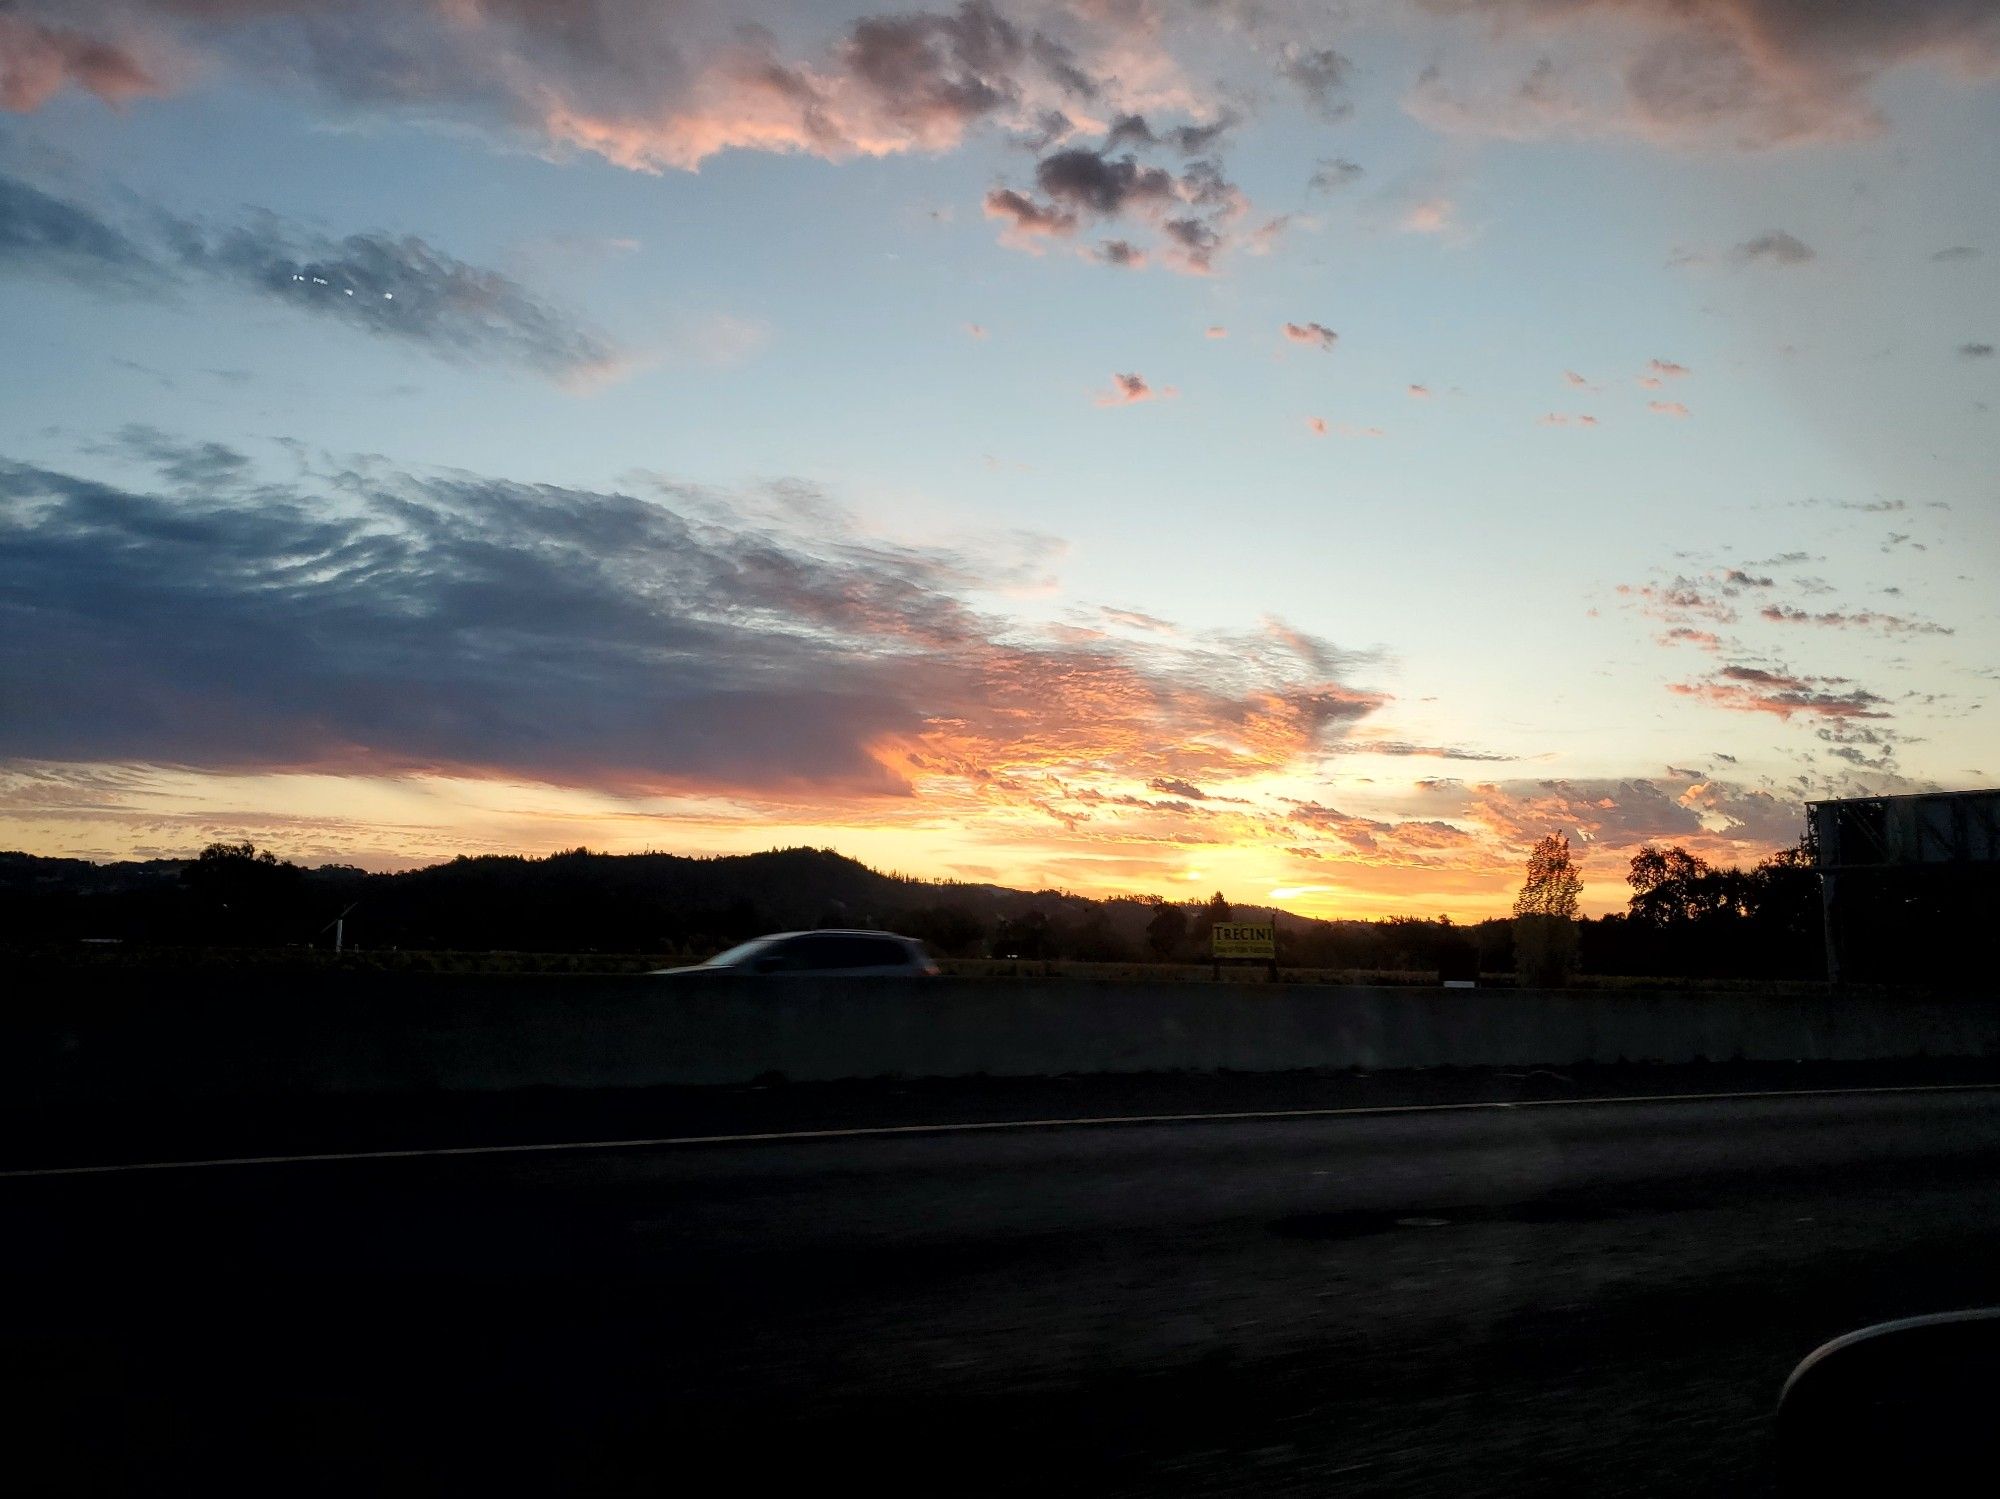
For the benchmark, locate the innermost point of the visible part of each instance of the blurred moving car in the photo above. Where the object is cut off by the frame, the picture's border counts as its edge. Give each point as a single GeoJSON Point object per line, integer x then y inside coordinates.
{"type": "Point", "coordinates": [825, 954]}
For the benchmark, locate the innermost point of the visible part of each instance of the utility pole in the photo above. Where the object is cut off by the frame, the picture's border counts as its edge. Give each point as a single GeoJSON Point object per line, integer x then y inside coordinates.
{"type": "Point", "coordinates": [338, 926]}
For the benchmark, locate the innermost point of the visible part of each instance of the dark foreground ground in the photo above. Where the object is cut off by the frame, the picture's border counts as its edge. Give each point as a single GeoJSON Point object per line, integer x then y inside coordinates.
{"type": "Point", "coordinates": [1597, 1299]}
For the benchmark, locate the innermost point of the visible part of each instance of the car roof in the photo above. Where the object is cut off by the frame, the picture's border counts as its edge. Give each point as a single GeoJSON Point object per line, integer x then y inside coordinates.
{"type": "Point", "coordinates": [842, 931]}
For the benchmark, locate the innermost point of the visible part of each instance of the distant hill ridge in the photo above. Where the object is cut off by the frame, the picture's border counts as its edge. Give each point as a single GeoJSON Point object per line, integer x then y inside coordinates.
{"type": "Point", "coordinates": [573, 899]}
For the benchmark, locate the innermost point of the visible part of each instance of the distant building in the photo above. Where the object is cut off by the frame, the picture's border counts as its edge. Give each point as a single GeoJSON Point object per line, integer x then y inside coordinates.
{"type": "Point", "coordinates": [1910, 885]}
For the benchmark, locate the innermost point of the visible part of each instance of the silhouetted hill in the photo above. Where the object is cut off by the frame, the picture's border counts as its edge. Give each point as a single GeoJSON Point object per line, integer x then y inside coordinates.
{"type": "Point", "coordinates": [565, 902]}
{"type": "Point", "coordinates": [675, 907]}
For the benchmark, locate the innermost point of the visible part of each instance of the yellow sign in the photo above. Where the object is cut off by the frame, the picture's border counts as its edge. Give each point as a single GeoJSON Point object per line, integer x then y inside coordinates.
{"type": "Point", "coordinates": [1245, 939]}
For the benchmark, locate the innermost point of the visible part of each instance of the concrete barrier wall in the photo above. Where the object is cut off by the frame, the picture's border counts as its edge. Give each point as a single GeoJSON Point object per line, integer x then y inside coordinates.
{"type": "Point", "coordinates": [127, 1038]}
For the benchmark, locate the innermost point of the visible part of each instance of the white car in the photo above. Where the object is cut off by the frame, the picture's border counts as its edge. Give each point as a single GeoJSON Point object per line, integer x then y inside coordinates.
{"type": "Point", "coordinates": [826, 954]}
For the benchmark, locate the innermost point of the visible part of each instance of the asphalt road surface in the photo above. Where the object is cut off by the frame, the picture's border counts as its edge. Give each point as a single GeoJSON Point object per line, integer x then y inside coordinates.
{"type": "Point", "coordinates": [1597, 1299]}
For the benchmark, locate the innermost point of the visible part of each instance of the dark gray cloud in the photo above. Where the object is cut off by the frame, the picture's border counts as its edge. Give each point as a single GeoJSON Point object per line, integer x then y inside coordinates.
{"type": "Point", "coordinates": [49, 236]}
{"type": "Point", "coordinates": [1776, 246]}
{"type": "Point", "coordinates": [1404, 748]}
{"type": "Point", "coordinates": [1782, 693]}
{"type": "Point", "coordinates": [1193, 140]}
{"type": "Point", "coordinates": [1059, 61]}
{"type": "Point", "coordinates": [203, 466]}
{"type": "Point", "coordinates": [1026, 217]}
{"type": "Point", "coordinates": [1333, 173]}
{"type": "Point", "coordinates": [1092, 182]}
{"type": "Point", "coordinates": [1190, 140]}
{"type": "Point", "coordinates": [395, 287]}
{"type": "Point", "coordinates": [1865, 619]}
{"type": "Point", "coordinates": [1129, 130]}
{"type": "Point", "coordinates": [1319, 74]}
{"type": "Point", "coordinates": [1976, 351]}
{"type": "Point", "coordinates": [1205, 186]}
{"type": "Point", "coordinates": [1957, 252]}
{"type": "Point", "coordinates": [1195, 242]}
{"type": "Point", "coordinates": [953, 68]}
{"type": "Point", "coordinates": [1193, 212]}
{"type": "Point", "coordinates": [363, 618]}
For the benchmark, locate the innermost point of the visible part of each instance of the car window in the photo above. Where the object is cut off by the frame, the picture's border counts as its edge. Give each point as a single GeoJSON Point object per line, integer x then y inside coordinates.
{"type": "Point", "coordinates": [826, 951]}
{"type": "Point", "coordinates": [870, 952]}
{"type": "Point", "coordinates": [813, 951]}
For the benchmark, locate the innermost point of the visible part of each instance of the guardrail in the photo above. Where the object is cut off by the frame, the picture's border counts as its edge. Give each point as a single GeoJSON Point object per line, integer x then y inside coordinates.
{"type": "Point", "coordinates": [119, 1037]}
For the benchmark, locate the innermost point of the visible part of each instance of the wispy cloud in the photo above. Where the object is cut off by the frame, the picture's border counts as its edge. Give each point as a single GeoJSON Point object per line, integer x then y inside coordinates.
{"type": "Point", "coordinates": [1864, 619]}
{"type": "Point", "coordinates": [1733, 74]}
{"type": "Point", "coordinates": [396, 287]}
{"type": "Point", "coordinates": [1756, 689]}
{"type": "Point", "coordinates": [367, 619]}
{"type": "Point", "coordinates": [1317, 334]}
{"type": "Point", "coordinates": [1436, 214]}
{"type": "Point", "coordinates": [1318, 74]}
{"type": "Point", "coordinates": [1775, 246]}
{"type": "Point", "coordinates": [1659, 371]}
{"type": "Point", "coordinates": [1332, 173]}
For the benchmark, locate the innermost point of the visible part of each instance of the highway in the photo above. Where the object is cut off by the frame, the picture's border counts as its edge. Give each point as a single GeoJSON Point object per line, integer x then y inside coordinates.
{"type": "Point", "coordinates": [1595, 1298]}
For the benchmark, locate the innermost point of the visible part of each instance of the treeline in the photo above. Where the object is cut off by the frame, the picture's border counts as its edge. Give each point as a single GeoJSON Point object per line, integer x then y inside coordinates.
{"type": "Point", "coordinates": [1683, 918]}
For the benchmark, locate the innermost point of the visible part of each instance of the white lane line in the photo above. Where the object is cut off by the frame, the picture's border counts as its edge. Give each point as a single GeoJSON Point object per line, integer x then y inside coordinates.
{"type": "Point", "coordinates": [780, 1137]}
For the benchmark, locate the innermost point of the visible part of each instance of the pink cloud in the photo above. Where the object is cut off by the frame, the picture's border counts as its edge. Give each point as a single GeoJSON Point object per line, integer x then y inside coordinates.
{"type": "Point", "coordinates": [38, 61]}
{"type": "Point", "coordinates": [1130, 390]}
{"type": "Point", "coordinates": [1418, 392]}
{"type": "Point", "coordinates": [1741, 74]}
{"type": "Point", "coordinates": [1317, 334]}
{"type": "Point", "coordinates": [1706, 640]}
{"type": "Point", "coordinates": [1216, 330]}
{"type": "Point", "coordinates": [1667, 408]}
{"type": "Point", "coordinates": [1433, 215]}
{"type": "Point", "coordinates": [1316, 425]}
{"type": "Point", "coordinates": [1754, 689]}
{"type": "Point", "coordinates": [1027, 221]}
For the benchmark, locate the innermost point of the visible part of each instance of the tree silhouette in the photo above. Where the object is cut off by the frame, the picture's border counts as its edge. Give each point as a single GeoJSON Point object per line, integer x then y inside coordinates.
{"type": "Point", "coordinates": [1545, 932]}
{"type": "Point", "coordinates": [1553, 884]}
{"type": "Point", "coordinates": [1167, 931]}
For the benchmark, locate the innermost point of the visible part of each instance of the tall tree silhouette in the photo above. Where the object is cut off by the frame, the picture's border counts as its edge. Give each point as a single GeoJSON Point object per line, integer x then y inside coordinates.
{"type": "Point", "coordinates": [1545, 934]}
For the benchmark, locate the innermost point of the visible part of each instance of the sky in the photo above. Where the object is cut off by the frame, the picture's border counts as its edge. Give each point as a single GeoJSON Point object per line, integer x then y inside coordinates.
{"type": "Point", "coordinates": [1311, 451]}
